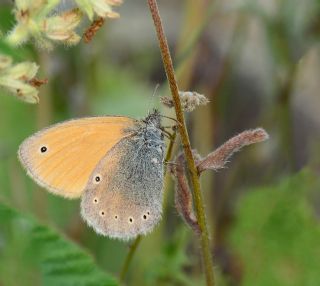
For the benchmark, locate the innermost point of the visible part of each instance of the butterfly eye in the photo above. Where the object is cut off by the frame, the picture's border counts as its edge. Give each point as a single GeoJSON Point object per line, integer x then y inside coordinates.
{"type": "Point", "coordinates": [43, 149]}
{"type": "Point", "coordinates": [144, 217]}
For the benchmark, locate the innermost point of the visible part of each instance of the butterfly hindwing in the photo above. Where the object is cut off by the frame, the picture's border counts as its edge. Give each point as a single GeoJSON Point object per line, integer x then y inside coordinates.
{"type": "Point", "coordinates": [124, 194]}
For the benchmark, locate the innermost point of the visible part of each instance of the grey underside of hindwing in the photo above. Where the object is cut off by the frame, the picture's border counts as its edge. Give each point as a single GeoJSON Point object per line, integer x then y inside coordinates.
{"type": "Point", "coordinates": [126, 199]}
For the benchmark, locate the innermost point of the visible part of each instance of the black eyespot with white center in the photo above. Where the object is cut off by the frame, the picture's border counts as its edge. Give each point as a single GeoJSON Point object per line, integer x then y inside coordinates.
{"type": "Point", "coordinates": [97, 179]}
{"type": "Point", "coordinates": [43, 149]}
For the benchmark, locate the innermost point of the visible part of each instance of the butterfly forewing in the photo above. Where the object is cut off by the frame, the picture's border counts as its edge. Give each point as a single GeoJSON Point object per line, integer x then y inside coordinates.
{"type": "Point", "coordinates": [61, 158]}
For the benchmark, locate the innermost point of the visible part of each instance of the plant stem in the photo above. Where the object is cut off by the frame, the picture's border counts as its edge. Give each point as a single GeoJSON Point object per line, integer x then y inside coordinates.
{"type": "Point", "coordinates": [198, 201]}
{"type": "Point", "coordinates": [137, 241]}
{"type": "Point", "coordinates": [129, 257]}
{"type": "Point", "coordinates": [170, 150]}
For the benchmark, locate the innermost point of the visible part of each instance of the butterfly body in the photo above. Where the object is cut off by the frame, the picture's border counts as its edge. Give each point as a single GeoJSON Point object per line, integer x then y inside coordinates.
{"type": "Point", "coordinates": [122, 193]}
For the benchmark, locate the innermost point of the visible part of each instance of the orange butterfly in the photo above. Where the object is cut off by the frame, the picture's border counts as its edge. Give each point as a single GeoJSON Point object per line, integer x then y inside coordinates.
{"type": "Point", "coordinates": [114, 163]}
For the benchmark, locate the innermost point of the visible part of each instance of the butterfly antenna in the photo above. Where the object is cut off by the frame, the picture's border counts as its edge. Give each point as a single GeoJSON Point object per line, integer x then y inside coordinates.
{"type": "Point", "coordinates": [153, 95]}
{"type": "Point", "coordinates": [155, 90]}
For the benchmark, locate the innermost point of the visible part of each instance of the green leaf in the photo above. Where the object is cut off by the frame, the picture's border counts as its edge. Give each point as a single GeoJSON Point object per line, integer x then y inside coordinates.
{"type": "Point", "coordinates": [34, 254]}
{"type": "Point", "coordinates": [277, 233]}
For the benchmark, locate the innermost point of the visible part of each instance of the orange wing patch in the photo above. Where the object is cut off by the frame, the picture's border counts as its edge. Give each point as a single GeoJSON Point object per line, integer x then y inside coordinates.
{"type": "Point", "coordinates": [62, 157]}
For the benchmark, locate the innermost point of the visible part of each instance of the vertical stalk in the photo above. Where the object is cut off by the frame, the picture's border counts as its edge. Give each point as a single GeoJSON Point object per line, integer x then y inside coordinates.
{"type": "Point", "coordinates": [129, 257]}
{"type": "Point", "coordinates": [198, 201]}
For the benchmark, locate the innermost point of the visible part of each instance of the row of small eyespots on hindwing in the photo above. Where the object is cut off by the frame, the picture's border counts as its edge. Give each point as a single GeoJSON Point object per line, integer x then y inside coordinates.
{"type": "Point", "coordinates": [102, 213]}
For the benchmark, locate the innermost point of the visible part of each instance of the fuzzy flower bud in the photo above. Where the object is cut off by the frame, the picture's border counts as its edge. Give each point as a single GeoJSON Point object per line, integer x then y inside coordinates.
{"type": "Point", "coordinates": [189, 100]}
{"type": "Point", "coordinates": [18, 79]}
{"type": "Point", "coordinates": [61, 28]}
{"type": "Point", "coordinates": [219, 158]}
{"type": "Point", "coordinates": [35, 20]}
{"type": "Point", "coordinates": [5, 62]}
{"type": "Point", "coordinates": [102, 8]}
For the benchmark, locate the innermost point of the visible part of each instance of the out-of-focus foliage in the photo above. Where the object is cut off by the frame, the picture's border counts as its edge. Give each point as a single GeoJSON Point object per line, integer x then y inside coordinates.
{"type": "Point", "coordinates": [167, 268]}
{"type": "Point", "coordinates": [102, 8]}
{"type": "Point", "coordinates": [277, 233]}
{"type": "Point", "coordinates": [16, 74]}
{"type": "Point", "coordinates": [32, 253]}
{"type": "Point", "coordinates": [45, 24]}
{"type": "Point", "coordinates": [34, 21]}
{"type": "Point", "coordinates": [17, 79]}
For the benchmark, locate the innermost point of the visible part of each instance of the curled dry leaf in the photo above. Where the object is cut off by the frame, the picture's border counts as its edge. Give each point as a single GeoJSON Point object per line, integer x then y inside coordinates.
{"type": "Point", "coordinates": [189, 100]}
{"type": "Point", "coordinates": [183, 196]}
{"type": "Point", "coordinates": [36, 82]}
{"type": "Point", "coordinates": [218, 158]}
{"type": "Point", "coordinates": [93, 29]}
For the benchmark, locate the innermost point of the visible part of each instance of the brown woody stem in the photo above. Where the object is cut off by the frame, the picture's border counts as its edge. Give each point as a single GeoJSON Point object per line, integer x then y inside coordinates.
{"type": "Point", "coordinates": [198, 201]}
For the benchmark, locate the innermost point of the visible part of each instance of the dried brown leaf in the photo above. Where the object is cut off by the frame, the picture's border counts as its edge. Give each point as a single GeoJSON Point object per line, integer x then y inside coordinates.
{"type": "Point", "coordinates": [93, 29]}
{"type": "Point", "coordinates": [36, 82]}
{"type": "Point", "coordinates": [183, 196]}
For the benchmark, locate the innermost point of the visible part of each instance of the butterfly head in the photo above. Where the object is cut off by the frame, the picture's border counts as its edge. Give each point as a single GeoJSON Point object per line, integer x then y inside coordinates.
{"type": "Point", "coordinates": [153, 119]}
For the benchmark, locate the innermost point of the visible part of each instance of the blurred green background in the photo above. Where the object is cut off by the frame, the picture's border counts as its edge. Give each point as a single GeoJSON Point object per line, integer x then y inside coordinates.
{"type": "Point", "coordinates": [258, 62]}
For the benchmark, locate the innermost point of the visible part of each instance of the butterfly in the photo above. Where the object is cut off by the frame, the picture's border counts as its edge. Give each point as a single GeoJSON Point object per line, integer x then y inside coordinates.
{"type": "Point", "coordinates": [113, 163]}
